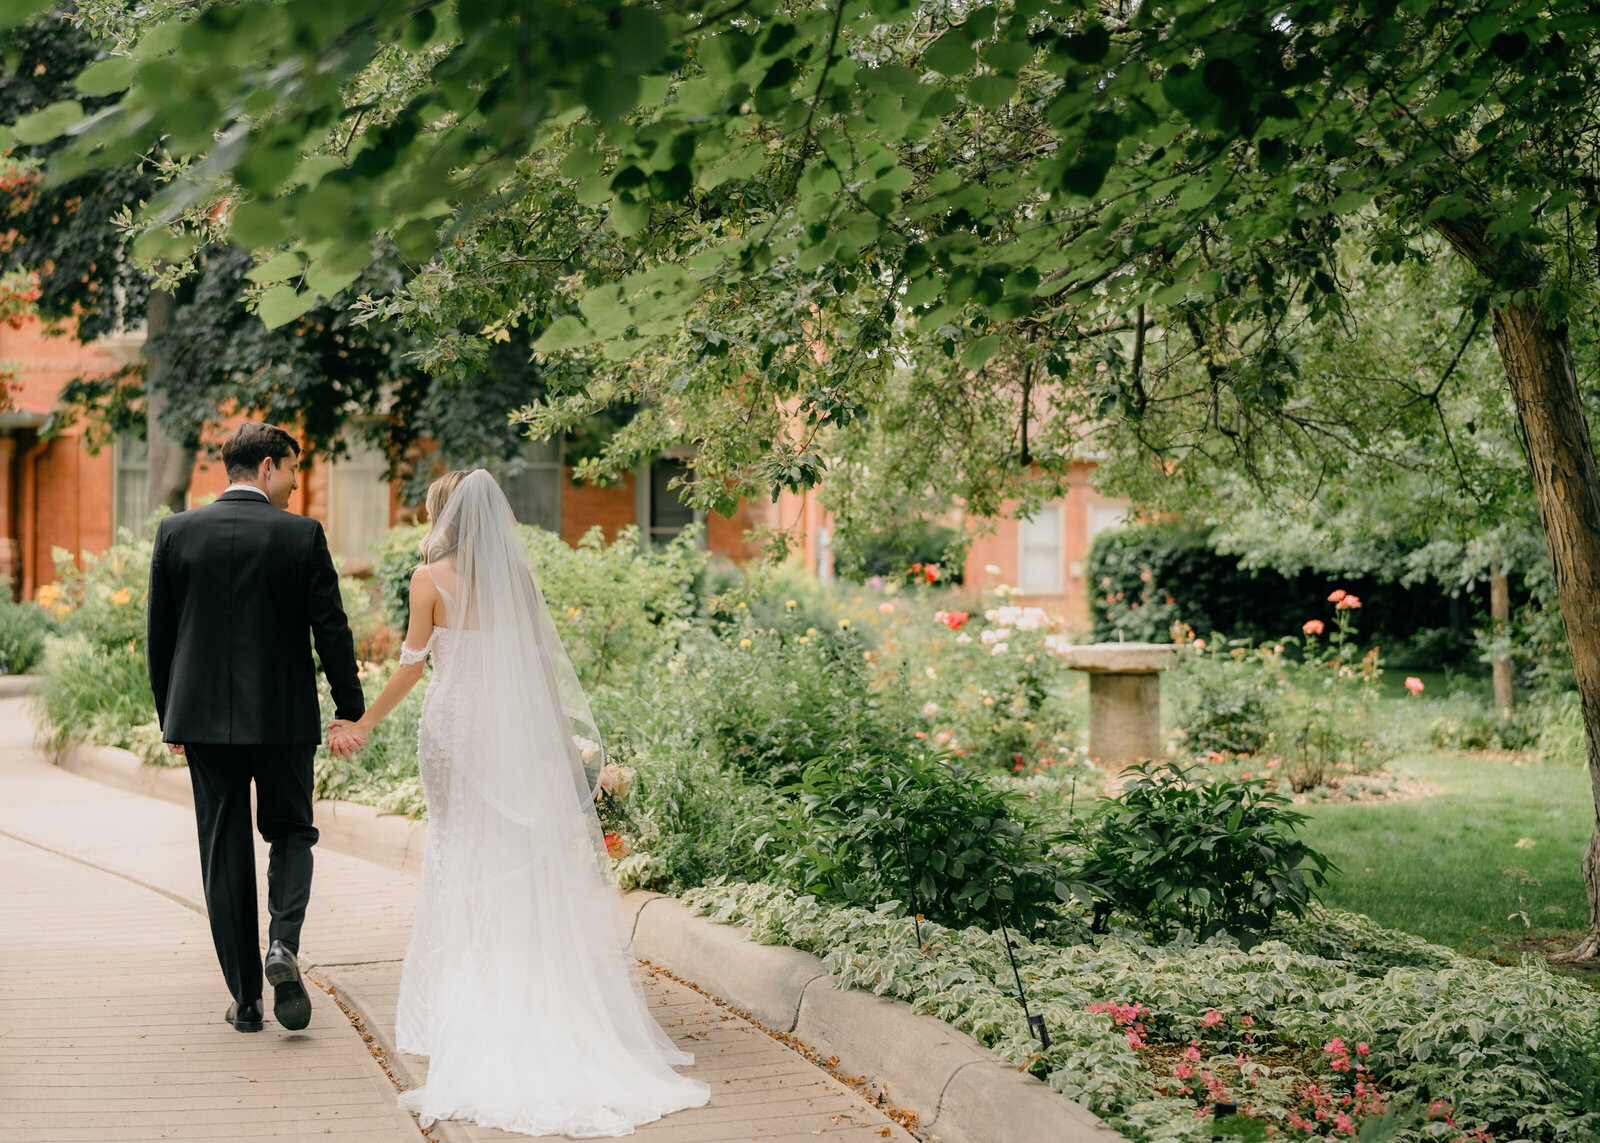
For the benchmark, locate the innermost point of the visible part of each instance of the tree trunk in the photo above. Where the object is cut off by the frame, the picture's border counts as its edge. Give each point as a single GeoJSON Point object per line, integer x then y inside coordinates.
{"type": "Point", "coordinates": [1544, 385]}
{"type": "Point", "coordinates": [170, 461]}
{"type": "Point", "coordinates": [1500, 615]}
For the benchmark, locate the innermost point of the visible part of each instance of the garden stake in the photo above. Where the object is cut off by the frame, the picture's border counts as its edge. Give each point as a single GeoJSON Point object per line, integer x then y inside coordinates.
{"type": "Point", "coordinates": [1036, 1026]}
{"type": "Point", "coordinates": [1221, 1111]}
{"type": "Point", "coordinates": [911, 886]}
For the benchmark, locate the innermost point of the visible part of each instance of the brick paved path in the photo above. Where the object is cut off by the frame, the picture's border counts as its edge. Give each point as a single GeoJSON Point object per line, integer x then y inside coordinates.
{"type": "Point", "coordinates": [111, 1001]}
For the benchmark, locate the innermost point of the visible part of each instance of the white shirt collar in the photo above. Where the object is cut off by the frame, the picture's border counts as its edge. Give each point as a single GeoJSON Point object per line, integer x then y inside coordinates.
{"type": "Point", "coordinates": [247, 488]}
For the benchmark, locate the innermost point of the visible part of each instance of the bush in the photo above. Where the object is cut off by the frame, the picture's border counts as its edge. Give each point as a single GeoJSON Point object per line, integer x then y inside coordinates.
{"type": "Point", "coordinates": [1178, 849]}
{"type": "Point", "coordinates": [913, 827]}
{"type": "Point", "coordinates": [23, 630]}
{"type": "Point", "coordinates": [1464, 721]}
{"type": "Point", "coordinates": [888, 551]}
{"type": "Point", "coordinates": [772, 701]}
{"type": "Point", "coordinates": [100, 695]}
{"type": "Point", "coordinates": [1153, 563]}
{"type": "Point", "coordinates": [1557, 719]}
{"type": "Point", "coordinates": [1225, 700]}
{"type": "Point", "coordinates": [105, 600]}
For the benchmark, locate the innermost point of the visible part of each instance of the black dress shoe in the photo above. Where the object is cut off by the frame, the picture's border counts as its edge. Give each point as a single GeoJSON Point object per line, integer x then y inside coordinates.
{"type": "Point", "coordinates": [291, 1007]}
{"type": "Point", "coordinates": [244, 1017]}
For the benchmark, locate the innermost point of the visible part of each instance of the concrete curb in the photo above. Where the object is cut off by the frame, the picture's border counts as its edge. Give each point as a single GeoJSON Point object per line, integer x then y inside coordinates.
{"type": "Point", "coordinates": [13, 685]}
{"type": "Point", "coordinates": [956, 1087]}
{"type": "Point", "coordinates": [958, 1090]}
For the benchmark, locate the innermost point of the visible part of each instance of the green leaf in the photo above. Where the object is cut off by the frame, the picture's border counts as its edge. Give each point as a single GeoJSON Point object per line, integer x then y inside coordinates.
{"type": "Point", "coordinates": [977, 354]}
{"type": "Point", "coordinates": [277, 269]}
{"type": "Point", "coordinates": [48, 123]}
{"type": "Point", "coordinates": [566, 332]}
{"type": "Point", "coordinates": [282, 304]}
{"type": "Point", "coordinates": [951, 54]}
{"type": "Point", "coordinates": [991, 91]}
{"type": "Point", "coordinates": [107, 76]}
{"type": "Point", "coordinates": [14, 12]}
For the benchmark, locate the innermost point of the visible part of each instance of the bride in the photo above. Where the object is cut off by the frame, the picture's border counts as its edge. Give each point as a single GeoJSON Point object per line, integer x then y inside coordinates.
{"type": "Point", "coordinates": [517, 982]}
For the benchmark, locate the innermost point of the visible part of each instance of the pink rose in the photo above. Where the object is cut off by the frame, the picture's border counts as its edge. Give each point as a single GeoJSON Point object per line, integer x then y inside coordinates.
{"type": "Point", "coordinates": [1414, 685]}
{"type": "Point", "coordinates": [1337, 596]}
{"type": "Point", "coordinates": [1312, 627]}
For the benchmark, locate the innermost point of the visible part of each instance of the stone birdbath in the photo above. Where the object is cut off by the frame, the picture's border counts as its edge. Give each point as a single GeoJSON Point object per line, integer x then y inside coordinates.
{"type": "Point", "coordinates": [1124, 697]}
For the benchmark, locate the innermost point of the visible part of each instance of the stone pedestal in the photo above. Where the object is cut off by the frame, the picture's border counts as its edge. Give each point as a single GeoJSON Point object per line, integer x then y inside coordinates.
{"type": "Point", "coordinates": [1124, 697]}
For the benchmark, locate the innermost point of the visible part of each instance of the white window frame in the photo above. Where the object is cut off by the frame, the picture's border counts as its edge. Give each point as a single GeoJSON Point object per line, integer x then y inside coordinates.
{"type": "Point", "coordinates": [1050, 517]}
{"type": "Point", "coordinates": [343, 469]}
{"type": "Point", "coordinates": [120, 466]}
{"type": "Point", "coordinates": [555, 470]}
{"type": "Point", "coordinates": [642, 505]}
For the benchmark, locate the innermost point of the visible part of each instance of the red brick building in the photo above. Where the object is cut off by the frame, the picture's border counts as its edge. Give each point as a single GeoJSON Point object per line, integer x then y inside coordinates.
{"type": "Point", "coordinates": [54, 493]}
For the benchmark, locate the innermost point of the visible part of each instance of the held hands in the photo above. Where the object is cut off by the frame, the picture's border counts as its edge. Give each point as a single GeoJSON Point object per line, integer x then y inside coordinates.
{"type": "Point", "coordinates": [345, 737]}
{"type": "Point", "coordinates": [175, 748]}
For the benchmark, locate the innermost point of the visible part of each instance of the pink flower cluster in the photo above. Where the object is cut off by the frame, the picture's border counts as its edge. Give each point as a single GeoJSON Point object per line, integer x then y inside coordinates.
{"type": "Point", "coordinates": [951, 619]}
{"type": "Point", "coordinates": [1342, 600]}
{"type": "Point", "coordinates": [1126, 1016]}
{"type": "Point", "coordinates": [1440, 1111]}
{"type": "Point", "coordinates": [1414, 684]}
{"type": "Point", "coordinates": [1342, 1111]}
{"type": "Point", "coordinates": [1312, 627]}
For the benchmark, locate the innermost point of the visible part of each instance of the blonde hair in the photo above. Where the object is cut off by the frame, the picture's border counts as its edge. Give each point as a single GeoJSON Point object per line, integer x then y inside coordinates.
{"type": "Point", "coordinates": [439, 493]}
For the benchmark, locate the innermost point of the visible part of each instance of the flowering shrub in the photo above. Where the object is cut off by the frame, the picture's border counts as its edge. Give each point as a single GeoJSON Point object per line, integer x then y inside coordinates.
{"type": "Point", "coordinates": [1465, 1046]}
{"type": "Point", "coordinates": [1313, 717]}
{"type": "Point", "coordinates": [989, 686]}
{"type": "Point", "coordinates": [105, 600]}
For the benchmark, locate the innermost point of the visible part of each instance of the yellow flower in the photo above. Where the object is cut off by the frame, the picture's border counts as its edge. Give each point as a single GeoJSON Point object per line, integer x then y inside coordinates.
{"type": "Point", "coordinates": [744, 642]}
{"type": "Point", "coordinates": [790, 604]}
{"type": "Point", "coordinates": [47, 594]}
{"type": "Point", "coordinates": [739, 606]}
{"type": "Point", "coordinates": [804, 639]}
{"type": "Point", "coordinates": [122, 596]}
{"type": "Point", "coordinates": [811, 630]}
{"type": "Point", "coordinates": [844, 624]}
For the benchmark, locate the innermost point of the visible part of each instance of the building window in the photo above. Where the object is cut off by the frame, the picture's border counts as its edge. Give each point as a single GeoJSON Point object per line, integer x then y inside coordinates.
{"type": "Point", "coordinates": [665, 512]}
{"type": "Point", "coordinates": [1039, 551]}
{"type": "Point", "coordinates": [1106, 515]}
{"type": "Point", "coordinates": [535, 491]}
{"type": "Point", "coordinates": [358, 501]}
{"type": "Point", "coordinates": [131, 458]}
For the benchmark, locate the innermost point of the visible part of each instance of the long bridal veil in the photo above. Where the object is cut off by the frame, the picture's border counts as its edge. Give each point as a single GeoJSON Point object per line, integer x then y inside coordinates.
{"type": "Point", "coordinates": [536, 1020]}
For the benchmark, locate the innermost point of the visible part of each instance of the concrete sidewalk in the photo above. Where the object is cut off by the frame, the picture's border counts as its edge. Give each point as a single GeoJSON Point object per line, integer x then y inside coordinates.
{"type": "Point", "coordinates": [111, 1001]}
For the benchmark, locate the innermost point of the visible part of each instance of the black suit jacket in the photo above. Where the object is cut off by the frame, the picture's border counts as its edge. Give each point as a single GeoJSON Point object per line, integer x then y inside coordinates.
{"type": "Point", "coordinates": [236, 588]}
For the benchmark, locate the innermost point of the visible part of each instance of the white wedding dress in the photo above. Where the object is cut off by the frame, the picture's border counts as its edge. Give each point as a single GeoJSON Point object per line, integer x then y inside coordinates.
{"type": "Point", "coordinates": [518, 983]}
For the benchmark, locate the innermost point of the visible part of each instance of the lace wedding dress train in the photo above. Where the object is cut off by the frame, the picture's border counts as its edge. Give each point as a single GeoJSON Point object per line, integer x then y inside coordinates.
{"type": "Point", "coordinates": [517, 983]}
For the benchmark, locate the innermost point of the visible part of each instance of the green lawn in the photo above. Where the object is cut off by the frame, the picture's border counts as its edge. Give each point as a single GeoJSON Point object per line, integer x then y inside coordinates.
{"type": "Point", "coordinates": [1449, 868]}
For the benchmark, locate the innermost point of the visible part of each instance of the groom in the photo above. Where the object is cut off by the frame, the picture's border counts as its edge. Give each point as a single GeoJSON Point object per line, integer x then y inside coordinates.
{"type": "Point", "coordinates": [235, 587]}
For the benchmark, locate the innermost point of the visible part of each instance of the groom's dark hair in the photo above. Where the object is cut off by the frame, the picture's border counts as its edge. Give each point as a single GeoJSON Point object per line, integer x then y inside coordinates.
{"type": "Point", "coordinates": [250, 444]}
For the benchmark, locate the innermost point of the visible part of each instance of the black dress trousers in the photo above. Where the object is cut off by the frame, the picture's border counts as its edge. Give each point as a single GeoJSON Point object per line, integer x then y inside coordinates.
{"type": "Point", "coordinates": [221, 776]}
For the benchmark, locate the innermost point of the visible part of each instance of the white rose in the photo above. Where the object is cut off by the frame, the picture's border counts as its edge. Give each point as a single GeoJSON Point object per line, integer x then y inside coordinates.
{"type": "Point", "coordinates": [998, 649]}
